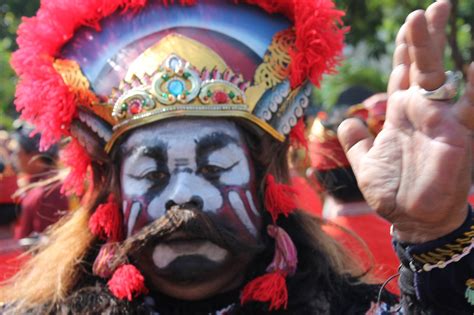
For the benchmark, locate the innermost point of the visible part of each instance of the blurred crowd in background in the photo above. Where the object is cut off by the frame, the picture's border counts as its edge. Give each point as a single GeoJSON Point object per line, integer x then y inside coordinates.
{"type": "Point", "coordinates": [30, 197]}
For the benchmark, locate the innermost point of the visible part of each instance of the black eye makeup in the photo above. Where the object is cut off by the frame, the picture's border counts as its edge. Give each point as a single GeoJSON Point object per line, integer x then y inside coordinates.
{"type": "Point", "coordinates": [213, 172]}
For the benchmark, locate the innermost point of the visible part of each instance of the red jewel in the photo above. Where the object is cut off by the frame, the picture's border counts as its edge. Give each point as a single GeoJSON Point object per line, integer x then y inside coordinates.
{"type": "Point", "coordinates": [135, 107]}
{"type": "Point", "coordinates": [220, 97]}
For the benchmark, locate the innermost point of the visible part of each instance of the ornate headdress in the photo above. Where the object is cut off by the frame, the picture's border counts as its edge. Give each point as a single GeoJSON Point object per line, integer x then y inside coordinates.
{"type": "Point", "coordinates": [115, 65]}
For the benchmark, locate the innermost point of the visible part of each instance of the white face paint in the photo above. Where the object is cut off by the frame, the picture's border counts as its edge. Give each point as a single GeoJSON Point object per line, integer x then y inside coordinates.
{"type": "Point", "coordinates": [202, 163]}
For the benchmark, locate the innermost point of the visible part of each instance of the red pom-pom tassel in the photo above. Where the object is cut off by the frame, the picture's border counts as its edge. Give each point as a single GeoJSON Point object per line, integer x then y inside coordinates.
{"type": "Point", "coordinates": [127, 282]}
{"type": "Point", "coordinates": [270, 287]}
{"type": "Point", "coordinates": [279, 198]}
{"type": "Point", "coordinates": [106, 221]}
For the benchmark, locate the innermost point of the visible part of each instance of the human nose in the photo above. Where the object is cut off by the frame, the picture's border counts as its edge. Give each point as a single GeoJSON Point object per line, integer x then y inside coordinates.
{"type": "Point", "coordinates": [183, 195]}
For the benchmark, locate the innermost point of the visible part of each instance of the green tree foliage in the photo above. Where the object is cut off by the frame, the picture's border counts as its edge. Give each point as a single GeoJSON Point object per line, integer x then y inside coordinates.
{"type": "Point", "coordinates": [10, 17]}
{"type": "Point", "coordinates": [374, 25]}
{"type": "Point", "coordinates": [376, 22]}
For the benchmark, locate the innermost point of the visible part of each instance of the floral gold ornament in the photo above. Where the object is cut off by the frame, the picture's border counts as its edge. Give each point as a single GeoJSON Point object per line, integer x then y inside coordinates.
{"type": "Point", "coordinates": [176, 82]}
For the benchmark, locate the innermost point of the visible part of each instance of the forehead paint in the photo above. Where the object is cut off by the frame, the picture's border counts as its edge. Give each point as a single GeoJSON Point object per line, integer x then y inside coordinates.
{"type": "Point", "coordinates": [204, 163]}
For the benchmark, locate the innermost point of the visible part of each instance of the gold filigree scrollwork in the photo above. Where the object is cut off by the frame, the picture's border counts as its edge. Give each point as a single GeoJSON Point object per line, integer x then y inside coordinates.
{"type": "Point", "coordinates": [275, 66]}
{"type": "Point", "coordinates": [73, 77]}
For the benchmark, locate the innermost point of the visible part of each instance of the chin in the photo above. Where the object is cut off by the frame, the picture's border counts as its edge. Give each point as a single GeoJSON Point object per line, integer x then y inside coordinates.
{"type": "Point", "coordinates": [197, 290]}
{"type": "Point", "coordinates": [191, 270]}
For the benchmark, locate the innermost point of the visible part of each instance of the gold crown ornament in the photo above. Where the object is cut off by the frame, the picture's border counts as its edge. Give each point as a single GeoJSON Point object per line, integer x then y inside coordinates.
{"type": "Point", "coordinates": [179, 76]}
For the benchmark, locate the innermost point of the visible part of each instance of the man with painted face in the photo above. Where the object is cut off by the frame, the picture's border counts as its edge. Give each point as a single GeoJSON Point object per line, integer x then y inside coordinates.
{"type": "Point", "coordinates": [180, 118]}
{"type": "Point", "coordinates": [208, 172]}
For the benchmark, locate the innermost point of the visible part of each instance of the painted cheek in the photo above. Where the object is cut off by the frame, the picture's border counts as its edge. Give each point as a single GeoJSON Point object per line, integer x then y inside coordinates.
{"type": "Point", "coordinates": [241, 207]}
{"type": "Point", "coordinates": [239, 211]}
{"type": "Point", "coordinates": [135, 215]}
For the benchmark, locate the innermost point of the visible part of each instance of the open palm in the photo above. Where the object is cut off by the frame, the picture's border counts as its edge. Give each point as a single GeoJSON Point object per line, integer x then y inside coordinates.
{"type": "Point", "coordinates": [417, 172]}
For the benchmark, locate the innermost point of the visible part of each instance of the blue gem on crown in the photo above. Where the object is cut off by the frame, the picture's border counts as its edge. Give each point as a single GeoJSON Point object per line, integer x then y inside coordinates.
{"type": "Point", "coordinates": [176, 87]}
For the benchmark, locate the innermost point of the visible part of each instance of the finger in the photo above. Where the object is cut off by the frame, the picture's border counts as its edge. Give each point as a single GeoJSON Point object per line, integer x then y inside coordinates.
{"type": "Point", "coordinates": [401, 36]}
{"type": "Point", "coordinates": [427, 69]}
{"type": "Point", "coordinates": [400, 55]}
{"type": "Point", "coordinates": [400, 75]}
{"type": "Point", "coordinates": [464, 108]}
{"type": "Point", "coordinates": [355, 139]}
{"type": "Point", "coordinates": [437, 16]}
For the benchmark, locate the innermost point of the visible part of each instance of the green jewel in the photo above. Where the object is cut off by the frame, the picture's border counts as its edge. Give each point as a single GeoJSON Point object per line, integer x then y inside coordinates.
{"type": "Point", "coordinates": [186, 75]}
{"type": "Point", "coordinates": [231, 95]}
{"type": "Point", "coordinates": [209, 93]}
{"type": "Point", "coordinates": [164, 95]}
{"type": "Point", "coordinates": [165, 77]}
{"type": "Point", "coordinates": [124, 107]}
{"type": "Point", "coordinates": [187, 92]}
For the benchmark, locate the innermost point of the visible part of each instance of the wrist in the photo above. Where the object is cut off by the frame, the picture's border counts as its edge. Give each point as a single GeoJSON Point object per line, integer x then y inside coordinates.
{"type": "Point", "coordinates": [422, 232]}
{"type": "Point", "coordinates": [439, 253]}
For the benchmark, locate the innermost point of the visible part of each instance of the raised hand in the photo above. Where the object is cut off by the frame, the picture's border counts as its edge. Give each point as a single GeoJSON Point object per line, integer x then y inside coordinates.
{"type": "Point", "coordinates": [417, 172]}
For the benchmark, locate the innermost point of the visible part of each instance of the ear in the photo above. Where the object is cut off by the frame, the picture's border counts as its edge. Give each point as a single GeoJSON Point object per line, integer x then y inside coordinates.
{"type": "Point", "coordinates": [92, 133]}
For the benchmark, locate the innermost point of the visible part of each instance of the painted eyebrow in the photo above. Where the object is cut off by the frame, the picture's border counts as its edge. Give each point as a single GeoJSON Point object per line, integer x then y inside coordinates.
{"type": "Point", "coordinates": [213, 142]}
{"type": "Point", "coordinates": [157, 151]}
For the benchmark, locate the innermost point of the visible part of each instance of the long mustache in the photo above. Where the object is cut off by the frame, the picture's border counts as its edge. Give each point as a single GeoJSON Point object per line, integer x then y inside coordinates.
{"type": "Point", "coordinates": [192, 222]}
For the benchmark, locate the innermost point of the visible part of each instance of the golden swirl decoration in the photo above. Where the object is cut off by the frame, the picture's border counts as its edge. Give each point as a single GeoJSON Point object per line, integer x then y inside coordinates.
{"type": "Point", "coordinates": [275, 66]}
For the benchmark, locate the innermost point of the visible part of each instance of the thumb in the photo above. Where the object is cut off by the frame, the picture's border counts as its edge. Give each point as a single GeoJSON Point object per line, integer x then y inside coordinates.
{"type": "Point", "coordinates": [356, 141]}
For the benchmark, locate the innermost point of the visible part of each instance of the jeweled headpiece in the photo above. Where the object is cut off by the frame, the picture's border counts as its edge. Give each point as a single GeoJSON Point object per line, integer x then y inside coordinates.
{"type": "Point", "coordinates": [120, 64]}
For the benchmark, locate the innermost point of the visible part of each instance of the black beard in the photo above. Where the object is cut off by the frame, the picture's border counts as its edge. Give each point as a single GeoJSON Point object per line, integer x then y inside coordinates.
{"type": "Point", "coordinates": [194, 224]}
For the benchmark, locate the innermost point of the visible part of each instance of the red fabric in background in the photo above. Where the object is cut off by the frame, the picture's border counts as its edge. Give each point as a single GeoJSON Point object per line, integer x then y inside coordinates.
{"type": "Point", "coordinates": [306, 197]}
{"type": "Point", "coordinates": [11, 258]}
{"type": "Point", "coordinates": [8, 186]}
{"type": "Point", "coordinates": [375, 232]}
{"type": "Point", "coordinates": [10, 264]}
{"type": "Point", "coordinates": [372, 229]}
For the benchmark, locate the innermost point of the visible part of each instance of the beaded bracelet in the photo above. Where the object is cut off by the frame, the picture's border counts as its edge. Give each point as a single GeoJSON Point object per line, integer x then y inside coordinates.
{"type": "Point", "coordinates": [438, 254]}
{"type": "Point", "coordinates": [442, 256]}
